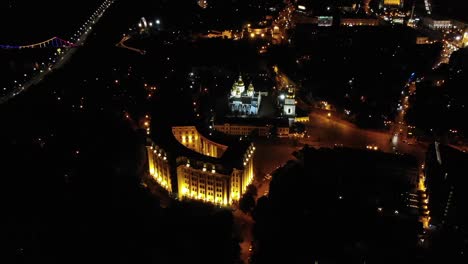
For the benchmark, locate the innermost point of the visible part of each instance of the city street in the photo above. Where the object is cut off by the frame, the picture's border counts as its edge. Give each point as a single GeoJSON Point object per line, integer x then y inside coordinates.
{"type": "Point", "coordinates": [328, 132]}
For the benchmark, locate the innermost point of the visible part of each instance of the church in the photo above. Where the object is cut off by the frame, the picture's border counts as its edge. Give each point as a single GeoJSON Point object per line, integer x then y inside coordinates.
{"type": "Point", "coordinates": [244, 102]}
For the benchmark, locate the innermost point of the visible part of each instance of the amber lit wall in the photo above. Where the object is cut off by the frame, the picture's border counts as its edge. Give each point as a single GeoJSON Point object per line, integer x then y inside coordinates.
{"type": "Point", "coordinates": [159, 167]}
{"type": "Point", "coordinates": [189, 137]}
{"type": "Point", "coordinates": [198, 180]}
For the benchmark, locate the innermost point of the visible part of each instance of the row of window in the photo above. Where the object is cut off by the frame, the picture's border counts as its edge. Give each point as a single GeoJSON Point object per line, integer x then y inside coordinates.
{"type": "Point", "coordinates": [209, 188]}
{"type": "Point", "coordinates": [209, 193]}
{"type": "Point", "coordinates": [202, 180]}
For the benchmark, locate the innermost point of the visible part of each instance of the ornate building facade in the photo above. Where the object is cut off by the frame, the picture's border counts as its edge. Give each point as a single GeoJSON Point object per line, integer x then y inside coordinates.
{"type": "Point", "coordinates": [200, 168]}
{"type": "Point", "coordinates": [287, 101]}
{"type": "Point", "coordinates": [244, 102]}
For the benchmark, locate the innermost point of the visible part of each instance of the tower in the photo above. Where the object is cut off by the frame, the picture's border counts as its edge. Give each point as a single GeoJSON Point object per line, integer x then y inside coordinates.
{"type": "Point", "coordinates": [289, 107]}
{"type": "Point", "coordinates": [250, 90]}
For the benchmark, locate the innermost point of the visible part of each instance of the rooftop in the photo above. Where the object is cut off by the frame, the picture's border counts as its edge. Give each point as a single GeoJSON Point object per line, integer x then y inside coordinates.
{"type": "Point", "coordinates": [231, 158]}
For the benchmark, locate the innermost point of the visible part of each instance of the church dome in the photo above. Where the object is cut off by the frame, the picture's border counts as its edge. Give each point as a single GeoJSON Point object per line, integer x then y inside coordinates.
{"type": "Point", "coordinates": [240, 82]}
{"type": "Point", "coordinates": [238, 86]}
{"type": "Point", "coordinates": [250, 90]}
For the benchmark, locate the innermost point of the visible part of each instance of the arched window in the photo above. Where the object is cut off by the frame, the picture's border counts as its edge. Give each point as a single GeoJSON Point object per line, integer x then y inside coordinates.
{"type": "Point", "coordinates": [289, 110]}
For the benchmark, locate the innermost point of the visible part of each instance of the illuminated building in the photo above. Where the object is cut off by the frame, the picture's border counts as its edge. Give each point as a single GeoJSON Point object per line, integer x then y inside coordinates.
{"type": "Point", "coordinates": [262, 30]}
{"type": "Point", "coordinates": [325, 21]}
{"type": "Point", "coordinates": [465, 39]}
{"type": "Point", "coordinates": [303, 6]}
{"type": "Point", "coordinates": [437, 24]}
{"type": "Point", "coordinates": [244, 102]}
{"type": "Point", "coordinates": [392, 2]}
{"type": "Point", "coordinates": [191, 164]}
{"type": "Point", "coordinates": [227, 34]}
{"type": "Point", "coordinates": [287, 102]}
{"type": "Point", "coordinates": [351, 22]}
{"type": "Point", "coordinates": [261, 127]}
{"type": "Point", "coordinates": [159, 167]}
{"type": "Point", "coordinates": [428, 6]}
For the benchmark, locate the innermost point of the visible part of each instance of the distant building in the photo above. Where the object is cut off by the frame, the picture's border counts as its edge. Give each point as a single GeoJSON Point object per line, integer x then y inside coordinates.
{"type": "Point", "coordinates": [244, 102]}
{"type": "Point", "coordinates": [303, 7]}
{"type": "Point", "coordinates": [302, 119]}
{"type": "Point", "coordinates": [422, 40]}
{"type": "Point", "coordinates": [391, 3]}
{"type": "Point", "coordinates": [262, 127]}
{"type": "Point", "coordinates": [325, 21]}
{"type": "Point", "coordinates": [287, 102]}
{"type": "Point", "coordinates": [228, 34]}
{"type": "Point", "coordinates": [465, 39]}
{"type": "Point", "coordinates": [351, 22]}
{"type": "Point", "coordinates": [461, 28]}
{"type": "Point", "coordinates": [437, 24]}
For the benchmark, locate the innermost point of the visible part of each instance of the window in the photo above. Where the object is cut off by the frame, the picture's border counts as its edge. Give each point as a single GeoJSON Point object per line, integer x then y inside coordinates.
{"type": "Point", "coordinates": [289, 110]}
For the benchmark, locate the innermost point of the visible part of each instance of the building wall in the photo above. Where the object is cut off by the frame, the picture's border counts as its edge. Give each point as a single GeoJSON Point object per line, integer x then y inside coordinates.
{"type": "Point", "coordinates": [465, 38]}
{"type": "Point", "coordinates": [283, 131]}
{"type": "Point", "coordinates": [190, 138]}
{"type": "Point", "coordinates": [215, 183]}
{"type": "Point", "coordinates": [159, 167]}
{"type": "Point", "coordinates": [359, 22]}
{"type": "Point", "coordinates": [289, 107]}
{"type": "Point", "coordinates": [205, 183]}
{"type": "Point", "coordinates": [241, 130]}
{"type": "Point", "coordinates": [247, 173]}
{"type": "Point", "coordinates": [236, 104]}
{"type": "Point", "coordinates": [392, 2]}
{"type": "Point", "coordinates": [243, 109]}
{"type": "Point", "coordinates": [259, 31]}
{"type": "Point", "coordinates": [302, 119]}
{"type": "Point", "coordinates": [437, 24]}
{"type": "Point", "coordinates": [244, 130]}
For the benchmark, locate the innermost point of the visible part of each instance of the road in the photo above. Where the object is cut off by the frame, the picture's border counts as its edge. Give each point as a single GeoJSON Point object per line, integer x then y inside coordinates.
{"type": "Point", "coordinates": [282, 23]}
{"type": "Point", "coordinates": [244, 223]}
{"type": "Point", "coordinates": [121, 44]}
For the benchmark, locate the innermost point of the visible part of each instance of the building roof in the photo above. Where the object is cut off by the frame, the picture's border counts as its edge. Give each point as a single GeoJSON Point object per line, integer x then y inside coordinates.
{"type": "Point", "coordinates": [231, 158]}
{"type": "Point", "coordinates": [279, 122]}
